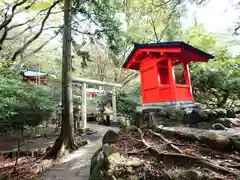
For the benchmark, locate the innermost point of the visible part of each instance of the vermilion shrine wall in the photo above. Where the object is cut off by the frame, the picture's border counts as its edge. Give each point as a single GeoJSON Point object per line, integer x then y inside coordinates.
{"type": "Point", "coordinates": [156, 63]}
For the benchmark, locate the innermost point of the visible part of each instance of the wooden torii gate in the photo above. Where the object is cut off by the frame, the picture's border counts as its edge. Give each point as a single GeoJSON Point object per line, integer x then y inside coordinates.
{"type": "Point", "coordinates": [84, 83]}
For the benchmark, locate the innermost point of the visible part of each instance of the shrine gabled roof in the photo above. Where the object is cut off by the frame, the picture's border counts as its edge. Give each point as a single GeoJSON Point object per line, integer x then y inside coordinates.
{"type": "Point", "coordinates": [34, 73]}
{"type": "Point", "coordinates": [174, 44]}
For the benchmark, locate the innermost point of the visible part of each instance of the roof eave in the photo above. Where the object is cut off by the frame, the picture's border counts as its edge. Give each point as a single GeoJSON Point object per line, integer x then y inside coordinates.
{"type": "Point", "coordinates": [129, 57]}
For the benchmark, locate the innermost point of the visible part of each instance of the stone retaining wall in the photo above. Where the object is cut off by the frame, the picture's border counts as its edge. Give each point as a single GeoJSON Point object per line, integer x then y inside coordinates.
{"type": "Point", "coordinates": [198, 118]}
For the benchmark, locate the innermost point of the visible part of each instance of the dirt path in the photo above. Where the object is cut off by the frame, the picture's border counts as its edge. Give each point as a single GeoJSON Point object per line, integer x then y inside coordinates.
{"type": "Point", "coordinates": [77, 165]}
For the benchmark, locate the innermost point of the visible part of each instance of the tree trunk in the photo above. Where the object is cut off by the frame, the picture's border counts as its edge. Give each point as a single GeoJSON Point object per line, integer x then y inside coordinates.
{"type": "Point", "coordinates": [65, 141]}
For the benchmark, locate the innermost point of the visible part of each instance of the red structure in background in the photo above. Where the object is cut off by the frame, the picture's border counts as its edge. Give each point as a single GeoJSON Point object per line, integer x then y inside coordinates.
{"type": "Point", "coordinates": [156, 62]}
{"type": "Point", "coordinates": [32, 77]}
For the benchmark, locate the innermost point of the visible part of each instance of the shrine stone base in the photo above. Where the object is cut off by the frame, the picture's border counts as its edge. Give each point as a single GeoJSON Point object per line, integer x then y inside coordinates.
{"type": "Point", "coordinates": [186, 106]}
{"type": "Point", "coordinates": [188, 114]}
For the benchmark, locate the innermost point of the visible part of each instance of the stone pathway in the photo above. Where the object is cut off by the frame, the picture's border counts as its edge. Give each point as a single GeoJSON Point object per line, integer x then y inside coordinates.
{"type": "Point", "coordinates": [76, 166]}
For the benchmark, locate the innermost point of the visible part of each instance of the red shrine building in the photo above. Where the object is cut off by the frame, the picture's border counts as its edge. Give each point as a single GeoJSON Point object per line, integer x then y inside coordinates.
{"type": "Point", "coordinates": [156, 62]}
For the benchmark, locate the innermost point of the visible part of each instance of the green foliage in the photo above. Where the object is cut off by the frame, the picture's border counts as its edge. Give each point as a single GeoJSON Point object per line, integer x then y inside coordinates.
{"type": "Point", "coordinates": [128, 100]}
{"type": "Point", "coordinates": [216, 85]}
{"type": "Point", "coordinates": [200, 38]}
{"type": "Point", "coordinates": [103, 15]}
{"type": "Point", "coordinates": [152, 20]}
{"type": "Point", "coordinates": [41, 5]}
{"type": "Point", "coordinates": [23, 104]}
{"type": "Point", "coordinates": [217, 82]}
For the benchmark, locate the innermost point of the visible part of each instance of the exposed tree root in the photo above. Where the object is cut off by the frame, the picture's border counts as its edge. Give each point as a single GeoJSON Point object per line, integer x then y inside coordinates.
{"type": "Point", "coordinates": [62, 146]}
{"type": "Point", "coordinates": [237, 166]}
{"type": "Point", "coordinates": [208, 150]}
{"type": "Point", "coordinates": [194, 158]}
{"type": "Point", "coordinates": [199, 160]}
{"type": "Point", "coordinates": [169, 143]}
{"type": "Point", "coordinates": [136, 152]}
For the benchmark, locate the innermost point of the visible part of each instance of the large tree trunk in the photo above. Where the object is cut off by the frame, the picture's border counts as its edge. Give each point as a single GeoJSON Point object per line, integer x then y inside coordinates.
{"type": "Point", "coordinates": [65, 141]}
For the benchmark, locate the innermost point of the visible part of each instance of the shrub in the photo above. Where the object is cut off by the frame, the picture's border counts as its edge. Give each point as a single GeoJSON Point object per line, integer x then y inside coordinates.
{"type": "Point", "coordinates": [217, 85]}
{"type": "Point", "coordinates": [23, 104]}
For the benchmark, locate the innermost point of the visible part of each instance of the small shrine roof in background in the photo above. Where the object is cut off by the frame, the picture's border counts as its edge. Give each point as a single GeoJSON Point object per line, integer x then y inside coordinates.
{"type": "Point", "coordinates": [34, 73]}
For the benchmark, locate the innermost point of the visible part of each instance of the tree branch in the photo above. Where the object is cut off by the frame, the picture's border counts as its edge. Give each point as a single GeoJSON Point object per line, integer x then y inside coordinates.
{"type": "Point", "coordinates": [89, 33]}
{"type": "Point", "coordinates": [152, 23]}
{"type": "Point", "coordinates": [3, 37]}
{"type": "Point", "coordinates": [22, 32]}
{"type": "Point", "coordinates": [161, 4]}
{"type": "Point", "coordinates": [236, 30]}
{"type": "Point", "coordinates": [127, 79]}
{"type": "Point", "coordinates": [194, 158]}
{"type": "Point", "coordinates": [83, 32]}
{"type": "Point", "coordinates": [30, 5]}
{"type": "Point", "coordinates": [200, 2]}
{"type": "Point", "coordinates": [46, 42]}
{"type": "Point", "coordinates": [168, 19]}
{"type": "Point", "coordinates": [7, 29]}
{"type": "Point", "coordinates": [166, 141]}
{"type": "Point", "coordinates": [36, 35]}
{"type": "Point", "coordinates": [32, 19]}
{"type": "Point", "coordinates": [9, 19]}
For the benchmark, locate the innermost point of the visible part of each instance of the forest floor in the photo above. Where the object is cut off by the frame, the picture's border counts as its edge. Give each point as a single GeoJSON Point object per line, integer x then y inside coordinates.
{"type": "Point", "coordinates": [73, 166]}
{"type": "Point", "coordinates": [168, 157]}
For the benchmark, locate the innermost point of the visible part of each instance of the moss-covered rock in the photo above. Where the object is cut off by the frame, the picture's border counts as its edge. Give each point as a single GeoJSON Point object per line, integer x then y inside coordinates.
{"type": "Point", "coordinates": [236, 141]}
{"type": "Point", "coordinates": [182, 174]}
{"type": "Point", "coordinates": [231, 113]}
{"type": "Point", "coordinates": [228, 122]}
{"type": "Point", "coordinates": [108, 164]}
{"type": "Point", "coordinates": [175, 113]}
{"type": "Point", "coordinates": [218, 126]}
{"type": "Point", "coordinates": [110, 137]}
{"type": "Point", "coordinates": [215, 138]}
{"type": "Point", "coordinates": [204, 125]}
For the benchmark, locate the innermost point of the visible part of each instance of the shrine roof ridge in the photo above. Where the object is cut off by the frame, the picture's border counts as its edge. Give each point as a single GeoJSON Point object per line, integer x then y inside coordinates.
{"type": "Point", "coordinates": [166, 44]}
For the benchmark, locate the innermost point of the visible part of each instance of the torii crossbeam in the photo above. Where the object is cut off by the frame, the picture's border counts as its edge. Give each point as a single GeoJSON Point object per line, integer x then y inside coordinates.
{"type": "Point", "coordinates": [84, 81]}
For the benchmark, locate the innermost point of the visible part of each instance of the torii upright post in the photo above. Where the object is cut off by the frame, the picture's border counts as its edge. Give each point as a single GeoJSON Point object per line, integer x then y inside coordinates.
{"type": "Point", "coordinates": [84, 106]}
{"type": "Point", "coordinates": [114, 104]}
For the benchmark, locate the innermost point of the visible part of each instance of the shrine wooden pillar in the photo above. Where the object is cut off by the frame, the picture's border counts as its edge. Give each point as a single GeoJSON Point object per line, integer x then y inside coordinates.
{"type": "Point", "coordinates": [172, 81]}
{"type": "Point", "coordinates": [187, 73]}
{"type": "Point", "coordinates": [187, 77]}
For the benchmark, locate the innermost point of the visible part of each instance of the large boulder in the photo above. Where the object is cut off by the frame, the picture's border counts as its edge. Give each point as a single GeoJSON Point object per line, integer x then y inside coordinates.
{"type": "Point", "coordinates": [216, 139]}
{"type": "Point", "coordinates": [236, 141]}
{"type": "Point", "coordinates": [174, 113]}
{"type": "Point", "coordinates": [228, 122]}
{"type": "Point", "coordinates": [218, 126]}
{"type": "Point", "coordinates": [213, 114]}
{"type": "Point", "coordinates": [108, 164]}
{"type": "Point", "coordinates": [231, 113]}
{"type": "Point", "coordinates": [181, 174]}
{"type": "Point", "coordinates": [194, 118]}
{"type": "Point", "coordinates": [110, 137]}
{"type": "Point", "coordinates": [137, 119]}
{"type": "Point", "coordinates": [204, 125]}
{"type": "Point", "coordinates": [168, 117]}
{"type": "Point", "coordinates": [221, 113]}
{"type": "Point", "coordinates": [158, 120]}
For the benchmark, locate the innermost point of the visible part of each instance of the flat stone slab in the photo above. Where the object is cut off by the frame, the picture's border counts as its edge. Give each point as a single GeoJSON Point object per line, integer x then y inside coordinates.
{"type": "Point", "coordinates": [199, 132]}
{"type": "Point", "coordinates": [217, 139]}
